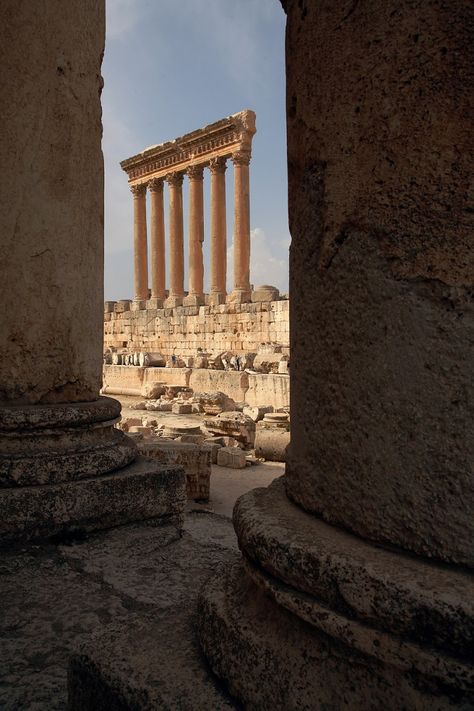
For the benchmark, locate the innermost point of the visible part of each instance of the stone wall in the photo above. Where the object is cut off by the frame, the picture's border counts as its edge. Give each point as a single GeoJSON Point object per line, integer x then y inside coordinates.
{"type": "Point", "coordinates": [253, 389]}
{"type": "Point", "coordinates": [239, 328]}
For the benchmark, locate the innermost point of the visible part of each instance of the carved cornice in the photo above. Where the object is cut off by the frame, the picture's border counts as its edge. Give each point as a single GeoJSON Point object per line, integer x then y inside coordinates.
{"type": "Point", "coordinates": [241, 158]}
{"type": "Point", "coordinates": [138, 190]}
{"type": "Point", "coordinates": [155, 185]}
{"type": "Point", "coordinates": [195, 172]}
{"type": "Point", "coordinates": [175, 179]}
{"type": "Point", "coordinates": [222, 138]}
{"type": "Point", "coordinates": [218, 165]}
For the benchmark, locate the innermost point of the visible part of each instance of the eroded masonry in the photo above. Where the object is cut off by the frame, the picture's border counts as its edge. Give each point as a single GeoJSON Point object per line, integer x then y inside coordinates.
{"type": "Point", "coordinates": [187, 157]}
{"type": "Point", "coordinates": [352, 587]}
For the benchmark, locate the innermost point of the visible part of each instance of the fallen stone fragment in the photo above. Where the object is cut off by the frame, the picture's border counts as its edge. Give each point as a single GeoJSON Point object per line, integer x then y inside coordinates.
{"type": "Point", "coordinates": [232, 457]}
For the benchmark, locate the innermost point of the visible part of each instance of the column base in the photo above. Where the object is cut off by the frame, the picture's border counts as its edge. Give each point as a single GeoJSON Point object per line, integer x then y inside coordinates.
{"type": "Point", "coordinates": [138, 305]}
{"type": "Point", "coordinates": [46, 445]}
{"type": "Point", "coordinates": [172, 301]}
{"type": "Point", "coordinates": [239, 296]}
{"type": "Point", "coordinates": [154, 303]}
{"type": "Point", "coordinates": [141, 491]}
{"type": "Point", "coordinates": [345, 623]}
{"type": "Point", "coordinates": [216, 298]}
{"type": "Point", "coordinates": [193, 300]}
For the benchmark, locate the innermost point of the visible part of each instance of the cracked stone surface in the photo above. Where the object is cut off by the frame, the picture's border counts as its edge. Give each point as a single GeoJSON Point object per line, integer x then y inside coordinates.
{"type": "Point", "coordinates": [57, 598]}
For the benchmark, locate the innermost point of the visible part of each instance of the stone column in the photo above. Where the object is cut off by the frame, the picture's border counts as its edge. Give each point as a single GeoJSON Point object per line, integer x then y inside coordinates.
{"type": "Point", "coordinates": [157, 235]}
{"type": "Point", "coordinates": [241, 290]}
{"type": "Point", "coordinates": [196, 236]}
{"type": "Point", "coordinates": [63, 464]}
{"type": "Point", "coordinates": [140, 249]}
{"type": "Point", "coordinates": [357, 574]}
{"type": "Point", "coordinates": [176, 291]}
{"type": "Point", "coordinates": [218, 232]}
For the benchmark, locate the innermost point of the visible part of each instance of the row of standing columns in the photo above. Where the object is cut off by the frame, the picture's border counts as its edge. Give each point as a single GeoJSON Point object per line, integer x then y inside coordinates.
{"type": "Point", "coordinates": [218, 276]}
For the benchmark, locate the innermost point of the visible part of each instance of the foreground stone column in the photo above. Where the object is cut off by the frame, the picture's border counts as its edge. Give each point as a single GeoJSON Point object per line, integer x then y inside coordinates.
{"type": "Point", "coordinates": [157, 240]}
{"type": "Point", "coordinates": [218, 232]}
{"type": "Point", "coordinates": [357, 572]}
{"type": "Point", "coordinates": [140, 248]}
{"type": "Point", "coordinates": [176, 291]}
{"type": "Point", "coordinates": [63, 464]}
{"type": "Point", "coordinates": [241, 290]}
{"type": "Point", "coordinates": [196, 236]}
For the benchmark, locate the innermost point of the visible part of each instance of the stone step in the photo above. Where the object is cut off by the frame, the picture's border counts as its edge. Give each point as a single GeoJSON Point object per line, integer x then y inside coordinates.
{"type": "Point", "coordinates": [140, 491]}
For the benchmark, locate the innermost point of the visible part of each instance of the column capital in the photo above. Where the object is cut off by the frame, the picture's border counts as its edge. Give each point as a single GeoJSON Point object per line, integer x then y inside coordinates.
{"type": "Point", "coordinates": [155, 185]}
{"type": "Point", "coordinates": [195, 172]}
{"type": "Point", "coordinates": [218, 165]}
{"type": "Point", "coordinates": [241, 158]}
{"type": "Point", "coordinates": [175, 178]}
{"type": "Point", "coordinates": [138, 190]}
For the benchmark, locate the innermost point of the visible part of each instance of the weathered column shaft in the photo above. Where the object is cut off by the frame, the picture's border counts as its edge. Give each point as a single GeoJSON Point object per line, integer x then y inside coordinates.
{"type": "Point", "coordinates": [196, 236]}
{"type": "Point", "coordinates": [158, 279]}
{"type": "Point", "coordinates": [176, 292]}
{"type": "Point", "coordinates": [241, 226]}
{"type": "Point", "coordinates": [218, 230]}
{"type": "Point", "coordinates": [140, 242]}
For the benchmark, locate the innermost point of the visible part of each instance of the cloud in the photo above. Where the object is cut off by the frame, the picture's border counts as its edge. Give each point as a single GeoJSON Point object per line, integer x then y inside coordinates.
{"type": "Point", "coordinates": [268, 261]}
{"type": "Point", "coordinates": [122, 16]}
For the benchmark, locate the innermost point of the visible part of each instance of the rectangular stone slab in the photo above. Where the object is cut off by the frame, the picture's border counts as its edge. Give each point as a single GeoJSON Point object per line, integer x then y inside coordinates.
{"type": "Point", "coordinates": [143, 490]}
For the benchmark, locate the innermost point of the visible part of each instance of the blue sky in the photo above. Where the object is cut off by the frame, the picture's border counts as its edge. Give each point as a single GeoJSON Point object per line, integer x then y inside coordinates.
{"type": "Point", "coordinates": [171, 67]}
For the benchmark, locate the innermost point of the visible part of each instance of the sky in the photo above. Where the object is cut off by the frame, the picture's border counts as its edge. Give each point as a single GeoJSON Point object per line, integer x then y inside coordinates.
{"type": "Point", "coordinates": [171, 67]}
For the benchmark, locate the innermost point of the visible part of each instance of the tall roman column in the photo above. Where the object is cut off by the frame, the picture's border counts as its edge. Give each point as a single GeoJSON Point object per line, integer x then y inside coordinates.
{"type": "Point", "coordinates": [196, 236]}
{"type": "Point", "coordinates": [357, 573]}
{"type": "Point", "coordinates": [176, 291]}
{"type": "Point", "coordinates": [157, 239]}
{"type": "Point", "coordinates": [218, 232]}
{"type": "Point", "coordinates": [241, 290]}
{"type": "Point", "coordinates": [140, 256]}
{"type": "Point", "coordinates": [62, 460]}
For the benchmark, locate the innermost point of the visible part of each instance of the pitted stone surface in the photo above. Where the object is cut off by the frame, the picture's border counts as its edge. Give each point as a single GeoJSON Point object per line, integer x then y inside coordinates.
{"type": "Point", "coordinates": [132, 581]}
{"type": "Point", "coordinates": [430, 604]}
{"type": "Point", "coordinates": [142, 490]}
{"type": "Point", "coordinates": [271, 659]}
{"type": "Point", "coordinates": [382, 269]}
{"type": "Point", "coordinates": [25, 417]}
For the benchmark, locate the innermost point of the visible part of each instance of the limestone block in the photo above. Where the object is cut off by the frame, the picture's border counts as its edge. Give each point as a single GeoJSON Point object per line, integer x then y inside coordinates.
{"type": "Point", "coordinates": [181, 408]}
{"type": "Point", "coordinates": [193, 458]}
{"type": "Point", "coordinates": [213, 447]}
{"type": "Point", "coordinates": [257, 413]}
{"type": "Point", "coordinates": [233, 384]}
{"type": "Point", "coordinates": [271, 443]}
{"type": "Point", "coordinates": [232, 457]}
{"type": "Point", "coordinates": [232, 424]}
{"type": "Point", "coordinates": [213, 403]}
{"type": "Point", "coordinates": [138, 492]}
{"type": "Point", "coordinates": [152, 391]}
{"type": "Point", "coordinates": [265, 293]}
{"type": "Point", "coordinates": [269, 389]}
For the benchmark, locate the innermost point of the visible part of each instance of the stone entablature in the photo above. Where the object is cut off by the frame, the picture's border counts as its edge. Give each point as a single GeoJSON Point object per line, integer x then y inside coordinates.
{"type": "Point", "coordinates": [224, 138]}
{"type": "Point", "coordinates": [171, 162]}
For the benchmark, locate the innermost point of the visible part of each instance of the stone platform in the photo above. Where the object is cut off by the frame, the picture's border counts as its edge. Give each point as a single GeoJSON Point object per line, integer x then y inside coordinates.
{"type": "Point", "coordinates": [358, 626]}
{"type": "Point", "coordinates": [140, 491]}
{"type": "Point", "coordinates": [121, 603]}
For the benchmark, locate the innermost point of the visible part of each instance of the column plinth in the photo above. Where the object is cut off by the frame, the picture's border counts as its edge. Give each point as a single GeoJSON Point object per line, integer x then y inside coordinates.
{"type": "Point", "coordinates": [241, 292]}
{"type": "Point", "coordinates": [217, 292]}
{"type": "Point", "coordinates": [176, 291]}
{"type": "Point", "coordinates": [157, 239]}
{"type": "Point", "coordinates": [140, 257]}
{"type": "Point", "coordinates": [195, 295]}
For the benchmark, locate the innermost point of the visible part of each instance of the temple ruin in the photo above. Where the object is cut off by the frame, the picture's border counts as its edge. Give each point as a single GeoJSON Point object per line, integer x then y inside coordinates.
{"type": "Point", "coordinates": [352, 583]}
{"type": "Point", "coordinates": [187, 157]}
